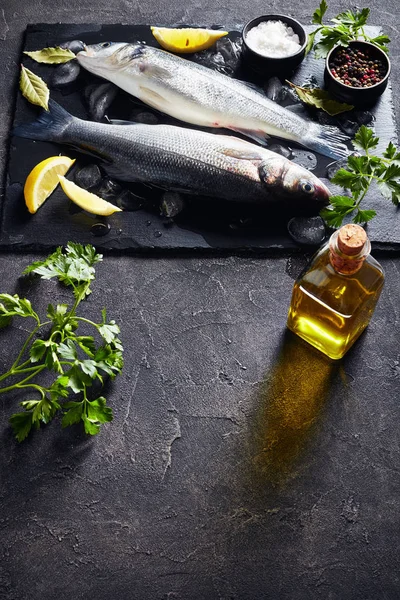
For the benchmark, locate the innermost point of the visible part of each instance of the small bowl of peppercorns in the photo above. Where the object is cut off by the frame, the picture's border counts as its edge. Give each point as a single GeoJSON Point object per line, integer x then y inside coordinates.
{"type": "Point", "coordinates": [357, 74]}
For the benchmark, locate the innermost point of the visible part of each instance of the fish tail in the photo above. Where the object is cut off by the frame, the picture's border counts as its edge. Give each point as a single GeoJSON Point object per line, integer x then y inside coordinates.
{"type": "Point", "coordinates": [327, 140]}
{"type": "Point", "coordinates": [49, 126]}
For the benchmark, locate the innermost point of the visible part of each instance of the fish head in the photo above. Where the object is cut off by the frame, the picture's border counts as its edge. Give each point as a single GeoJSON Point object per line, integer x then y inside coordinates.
{"type": "Point", "coordinates": [284, 178]}
{"type": "Point", "coordinates": [109, 56]}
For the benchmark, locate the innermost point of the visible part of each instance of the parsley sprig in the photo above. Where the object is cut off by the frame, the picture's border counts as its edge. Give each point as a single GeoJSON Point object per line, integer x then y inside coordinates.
{"type": "Point", "coordinates": [348, 26]}
{"type": "Point", "coordinates": [76, 359]}
{"type": "Point", "coordinates": [362, 171]}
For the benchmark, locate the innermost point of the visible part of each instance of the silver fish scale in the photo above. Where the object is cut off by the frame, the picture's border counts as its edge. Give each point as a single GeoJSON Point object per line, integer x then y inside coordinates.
{"type": "Point", "coordinates": [174, 157]}
{"type": "Point", "coordinates": [228, 99]}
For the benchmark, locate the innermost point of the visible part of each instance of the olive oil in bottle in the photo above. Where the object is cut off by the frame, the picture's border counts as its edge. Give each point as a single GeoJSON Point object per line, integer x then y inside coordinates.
{"type": "Point", "coordinates": [333, 300]}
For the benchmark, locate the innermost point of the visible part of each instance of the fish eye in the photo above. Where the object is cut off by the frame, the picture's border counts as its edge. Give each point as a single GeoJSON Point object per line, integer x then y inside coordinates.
{"type": "Point", "coordinates": [306, 187]}
{"type": "Point", "coordinates": [105, 44]}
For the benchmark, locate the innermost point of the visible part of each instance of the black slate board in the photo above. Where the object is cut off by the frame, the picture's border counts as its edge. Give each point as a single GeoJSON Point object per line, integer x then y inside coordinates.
{"type": "Point", "coordinates": [204, 224]}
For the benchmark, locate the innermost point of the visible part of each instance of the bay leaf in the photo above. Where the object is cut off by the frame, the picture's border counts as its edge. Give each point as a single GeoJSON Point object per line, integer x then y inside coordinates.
{"type": "Point", "coordinates": [52, 56]}
{"type": "Point", "coordinates": [320, 99]}
{"type": "Point", "coordinates": [33, 88]}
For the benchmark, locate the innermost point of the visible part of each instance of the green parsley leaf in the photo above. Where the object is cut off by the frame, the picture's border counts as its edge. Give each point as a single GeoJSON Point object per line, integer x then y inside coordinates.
{"type": "Point", "coordinates": [67, 350]}
{"type": "Point", "coordinates": [109, 332]}
{"type": "Point", "coordinates": [363, 216]}
{"type": "Point", "coordinates": [342, 201]}
{"type": "Point", "coordinates": [21, 424]}
{"type": "Point", "coordinates": [73, 414]}
{"type": "Point", "coordinates": [90, 427]}
{"type": "Point", "coordinates": [390, 151]}
{"type": "Point", "coordinates": [354, 19]}
{"type": "Point", "coordinates": [89, 367]}
{"type": "Point", "coordinates": [38, 350]}
{"type": "Point", "coordinates": [319, 13]}
{"type": "Point", "coordinates": [365, 139]}
{"type": "Point", "coordinates": [333, 218]}
{"type": "Point", "coordinates": [15, 306]}
{"type": "Point", "coordinates": [98, 411]}
{"type": "Point", "coordinates": [57, 314]}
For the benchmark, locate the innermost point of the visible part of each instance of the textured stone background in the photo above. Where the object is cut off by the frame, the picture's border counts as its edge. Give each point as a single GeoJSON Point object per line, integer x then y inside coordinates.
{"type": "Point", "coordinates": [240, 464]}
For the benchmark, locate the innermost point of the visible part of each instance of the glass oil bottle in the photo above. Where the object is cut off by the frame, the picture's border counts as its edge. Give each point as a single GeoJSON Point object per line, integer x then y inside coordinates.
{"type": "Point", "coordinates": [334, 298]}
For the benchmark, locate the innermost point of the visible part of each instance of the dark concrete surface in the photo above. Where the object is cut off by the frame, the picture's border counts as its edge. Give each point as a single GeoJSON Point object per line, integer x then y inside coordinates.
{"type": "Point", "coordinates": [240, 464]}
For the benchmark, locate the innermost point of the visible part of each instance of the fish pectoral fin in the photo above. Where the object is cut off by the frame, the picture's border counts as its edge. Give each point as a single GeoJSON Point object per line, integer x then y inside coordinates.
{"type": "Point", "coordinates": [258, 136]}
{"type": "Point", "coordinates": [153, 98]}
{"type": "Point", "coordinates": [271, 172]}
{"type": "Point", "coordinates": [115, 172]}
{"type": "Point", "coordinates": [156, 71]}
{"type": "Point", "coordinates": [251, 155]}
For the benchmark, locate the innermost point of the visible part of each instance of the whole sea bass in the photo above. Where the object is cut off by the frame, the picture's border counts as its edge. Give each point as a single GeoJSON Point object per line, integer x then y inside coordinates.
{"type": "Point", "coordinates": [184, 159]}
{"type": "Point", "coordinates": [201, 96]}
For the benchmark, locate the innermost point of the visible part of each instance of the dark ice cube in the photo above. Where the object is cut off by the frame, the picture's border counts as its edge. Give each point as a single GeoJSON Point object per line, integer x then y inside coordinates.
{"type": "Point", "coordinates": [88, 177]}
{"type": "Point", "coordinates": [310, 83]}
{"type": "Point", "coordinates": [65, 73]}
{"type": "Point", "coordinates": [274, 90]}
{"type": "Point", "coordinates": [224, 56]}
{"type": "Point", "coordinates": [308, 231]}
{"type": "Point", "coordinates": [128, 200]}
{"type": "Point", "coordinates": [304, 158]}
{"type": "Point", "coordinates": [325, 119]}
{"type": "Point", "coordinates": [172, 203]}
{"type": "Point", "coordinates": [289, 95]}
{"type": "Point", "coordinates": [99, 98]}
{"type": "Point", "coordinates": [334, 167]}
{"type": "Point", "coordinates": [347, 125]}
{"type": "Point", "coordinates": [286, 152]}
{"type": "Point", "coordinates": [74, 45]}
{"type": "Point", "coordinates": [141, 116]}
{"type": "Point", "coordinates": [363, 117]}
{"type": "Point", "coordinates": [108, 189]}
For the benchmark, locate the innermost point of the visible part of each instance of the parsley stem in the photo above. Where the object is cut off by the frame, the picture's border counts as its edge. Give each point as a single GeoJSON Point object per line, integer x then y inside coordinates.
{"type": "Point", "coordinates": [16, 385]}
{"type": "Point", "coordinates": [96, 325]}
{"type": "Point", "coordinates": [28, 339]}
{"type": "Point", "coordinates": [30, 336]}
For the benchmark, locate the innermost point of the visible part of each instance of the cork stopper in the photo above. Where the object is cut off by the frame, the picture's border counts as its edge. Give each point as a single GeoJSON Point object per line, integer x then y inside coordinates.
{"type": "Point", "coordinates": [351, 239]}
{"type": "Point", "coordinates": [349, 247]}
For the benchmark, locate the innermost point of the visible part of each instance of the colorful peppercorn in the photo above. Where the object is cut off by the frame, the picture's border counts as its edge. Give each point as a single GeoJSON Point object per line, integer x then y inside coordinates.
{"type": "Point", "coordinates": [357, 68]}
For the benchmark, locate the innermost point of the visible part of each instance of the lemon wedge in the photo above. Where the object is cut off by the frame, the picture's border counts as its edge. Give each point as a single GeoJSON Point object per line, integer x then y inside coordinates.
{"type": "Point", "coordinates": [186, 40]}
{"type": "Point", "coordinates": [43, 179]}
{"type": "Point", "coordinates": [86, 200]}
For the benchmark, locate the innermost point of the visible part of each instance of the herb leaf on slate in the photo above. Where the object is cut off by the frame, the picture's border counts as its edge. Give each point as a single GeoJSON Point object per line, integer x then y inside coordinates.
{"type": "Point", "coordinates": [76, 359]}
{"type": "Point", "coordinates": [359, 175]}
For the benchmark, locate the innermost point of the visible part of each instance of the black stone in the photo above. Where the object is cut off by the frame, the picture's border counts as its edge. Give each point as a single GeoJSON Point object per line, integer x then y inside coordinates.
{"type": "Point", "coordinates": [308, 231]}
{"type": "Point", "coordinates": [65, 74]}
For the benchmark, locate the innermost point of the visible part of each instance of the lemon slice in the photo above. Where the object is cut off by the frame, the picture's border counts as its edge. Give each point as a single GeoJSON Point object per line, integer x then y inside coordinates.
{"type": "Point", "coordinates": [186, 40]}
{"type": "Point", "coordinates": [43, 179]}
{"type": "Point", "coordinates": [86, 200]}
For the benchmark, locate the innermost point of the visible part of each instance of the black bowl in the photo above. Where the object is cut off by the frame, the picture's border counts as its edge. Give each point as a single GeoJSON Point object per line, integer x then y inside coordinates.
{"type": "Point", "coordinates": [358, 96]}
{"type": "Point", "coordinates": [268, 65]}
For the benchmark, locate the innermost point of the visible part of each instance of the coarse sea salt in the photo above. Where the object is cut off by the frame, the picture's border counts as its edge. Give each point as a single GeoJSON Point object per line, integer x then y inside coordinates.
{"type": "Point", "coordinates": [273, 39]}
